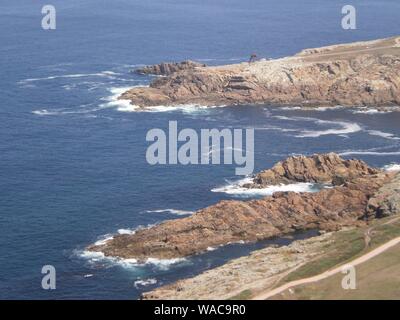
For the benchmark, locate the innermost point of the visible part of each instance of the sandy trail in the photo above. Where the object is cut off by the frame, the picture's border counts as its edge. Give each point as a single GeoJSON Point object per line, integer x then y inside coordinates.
{"type": "Point", "coordinates": [326, 274]}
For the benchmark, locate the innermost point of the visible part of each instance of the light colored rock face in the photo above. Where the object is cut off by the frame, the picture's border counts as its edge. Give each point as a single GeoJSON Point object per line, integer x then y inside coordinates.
{"type": "Point", "coordinates": [258, 271]}
{"type": "Point", "coordinates": [231, 221]}
{"type": "Point", "coordinates": [386, 201]}
{"type": "Point", "coordinates": [359, 74]}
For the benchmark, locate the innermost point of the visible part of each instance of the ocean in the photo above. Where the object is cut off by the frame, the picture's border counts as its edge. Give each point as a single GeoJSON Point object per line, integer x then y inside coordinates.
{"type": "Point", "coordinates": [72, 158]}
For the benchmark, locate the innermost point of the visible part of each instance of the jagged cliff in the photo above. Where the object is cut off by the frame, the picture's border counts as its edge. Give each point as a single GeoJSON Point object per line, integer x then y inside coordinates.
{"type": "Point", "coordinates": [357, 74]}
{"type": "Point", "coordinates": [360, 193]}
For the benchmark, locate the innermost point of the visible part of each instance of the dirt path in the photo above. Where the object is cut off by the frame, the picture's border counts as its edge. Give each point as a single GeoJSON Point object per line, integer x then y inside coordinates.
{"type": "Point", "coordinates": [326, 274]}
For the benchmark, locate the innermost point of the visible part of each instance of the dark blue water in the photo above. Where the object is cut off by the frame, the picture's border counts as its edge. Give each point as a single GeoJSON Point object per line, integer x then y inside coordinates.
{"type": "Point", "coordinates": [72, 166]}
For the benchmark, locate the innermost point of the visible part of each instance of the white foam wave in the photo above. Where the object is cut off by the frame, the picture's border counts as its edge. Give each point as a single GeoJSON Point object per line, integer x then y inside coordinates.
{"type": "Point", "coordinates": [369, 153]}
{"type": "Point", "coordinates": [144, 283]}
{"type": "Point", "coordinates": [382, 134]}
{"type": "Point", "coordinates": [95, 258]}
{"type": "Point", "coordinates": [109, 74]}
{"type": "Point", "coordinates": [82, 109]}
{"type": "Point", "coordinates": [122, 105]}
{"type": "Point", "coordinates": [366, 110]}
{"type": "Point", "coordinates": [392, 167]}
{"type": "Point", "coordinates": [344, 128]}
{"type": "Point", "coordinates": [127, 231]}
{"type": "Point", "coordinates": [238, 188]}
{"type": "Point", "coordinates": [184, 108]}
{"type": "Point", "coordinates": [104, 239]}
{"type": "Point", "coordinates": [322, 109]}
{"type": "Point", "coordinates": [171, 211]}
{"type": "Point", "coordinates": [290, 108]}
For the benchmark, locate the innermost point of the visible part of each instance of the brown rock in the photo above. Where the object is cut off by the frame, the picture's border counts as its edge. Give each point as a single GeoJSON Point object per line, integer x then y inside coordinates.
{"type": "Point", "coordinates": [168, 68]}
{"type": "Point", "coordinates": [281, 213]}
{"type": "Point", "coordinates": [326, 169]}
{"type": "Point", "coordinates": [358, 74]}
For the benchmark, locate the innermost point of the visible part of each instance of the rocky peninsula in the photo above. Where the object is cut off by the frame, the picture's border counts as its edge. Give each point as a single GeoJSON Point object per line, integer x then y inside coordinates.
{"type": "Point", "coordinates": [355, 74]}
{"type": "Point", "coordinates": [357, 193]}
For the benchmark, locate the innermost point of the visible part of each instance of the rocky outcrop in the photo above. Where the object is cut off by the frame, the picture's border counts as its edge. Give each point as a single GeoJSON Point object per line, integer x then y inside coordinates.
{"type": "Point", "coordinates": [358, 74]}
{"type": "Point", "coordinates": [323, 169]}
{"type": "Point", "coordinates": [168, 68]}
{"type": "Point", "coordinates": [386, 201]}
{"type": "Point", "coordinates": [281, 213]}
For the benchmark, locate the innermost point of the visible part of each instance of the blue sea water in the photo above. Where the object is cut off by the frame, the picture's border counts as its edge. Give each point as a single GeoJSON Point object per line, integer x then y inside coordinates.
{"type": "Point", "coordinates": [72, 162]}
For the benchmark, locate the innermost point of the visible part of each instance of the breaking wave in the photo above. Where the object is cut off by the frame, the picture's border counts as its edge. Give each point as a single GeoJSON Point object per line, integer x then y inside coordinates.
{"type": "Point", "coordinates": [122, 105]}
{"type": "Point", "coordinates": [369, 153]}
{"type": "Point", "coordinates": [185, 108]}
{"type": "Point", "coordinates": [108, 74]}
{"type": "Point", "coordinates": [171, 211]}
{"type": "Point", "coordinates": [143, 283]}
{"type": "Point", "coordinates": [82, 109]}
{"type": "Point", "coordinates": [382, 134]}
{"type": "Point", "coordinates": [238, 188]}
{"type": "Point", "coordinates": [367, 110]}
{"type": "Point", "coordinates": [343, 128]}
{"type": "Point", "coordinates": [94, 259]}
{"type": "Point", "coordinates": [392, 167]}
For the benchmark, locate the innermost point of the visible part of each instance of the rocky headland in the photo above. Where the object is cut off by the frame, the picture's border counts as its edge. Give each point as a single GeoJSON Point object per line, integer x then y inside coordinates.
{"type": "Point", "coordinates": [355, 74]}
{"type": "Point", "coordinates": [168, 68]}
{"type": "Point", "coordinates": [356, 193]}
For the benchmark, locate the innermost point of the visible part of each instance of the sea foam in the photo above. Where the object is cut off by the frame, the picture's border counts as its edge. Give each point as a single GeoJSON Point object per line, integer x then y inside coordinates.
{"type": "Point", "coordinates": [344, 128]}
{"type": "Point", "coordinates": [392, 167]}
{"type": "Point", "coordinates": [94, 259]}
{"type": "Point", "coordinates": [238, 189]}
{"type": "Point", "coordinates": [171, 211]}
{"type": "Point", "coordinates": [109, 74]}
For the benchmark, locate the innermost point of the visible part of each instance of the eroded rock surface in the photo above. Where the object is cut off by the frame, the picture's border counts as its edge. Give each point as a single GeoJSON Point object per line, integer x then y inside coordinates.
{"type": "Point", "coordinates": [324, 169]}
{"type": "Point", "coordinates": [356, 74]}
{"type": "Point", "coordinates": [168, 68]}
{"type": "Point", "coordinates": [284, 212]}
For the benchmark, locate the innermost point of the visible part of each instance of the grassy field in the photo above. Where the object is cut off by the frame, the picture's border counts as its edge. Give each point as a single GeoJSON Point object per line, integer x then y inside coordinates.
{"type": "Point", "coordinates": [376, 279]}
{"type": "Point", "coordinates": [347, 245]}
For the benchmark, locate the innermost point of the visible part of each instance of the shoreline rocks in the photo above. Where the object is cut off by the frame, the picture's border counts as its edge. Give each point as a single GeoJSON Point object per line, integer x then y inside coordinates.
{"type": "Point", "coordinates": [322, 169]}
{"type": "Point", "coordinates": [257, 271]}
{"type": "Point", "coordinates": [356, 74]}
{"type": "Point", "coordinates": [280, 214]}
{"type": "Point", "coordinates": [168, 68]}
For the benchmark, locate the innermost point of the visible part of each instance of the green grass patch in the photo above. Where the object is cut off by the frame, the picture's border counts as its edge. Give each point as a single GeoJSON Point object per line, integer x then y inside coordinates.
{"type": "Point", "coordinates": [346, 246]}
{"type": "Point", "coordinates": [244, 295]}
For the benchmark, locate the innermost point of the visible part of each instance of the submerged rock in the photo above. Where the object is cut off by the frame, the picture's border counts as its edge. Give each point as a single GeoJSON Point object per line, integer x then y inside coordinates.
{"type": "Point", "coordinates": [279, 214]}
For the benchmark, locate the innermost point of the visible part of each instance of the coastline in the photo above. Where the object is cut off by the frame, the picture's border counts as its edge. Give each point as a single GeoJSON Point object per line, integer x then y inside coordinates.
{"type": "Point", "coordinates": [361, 74]}
{"type": "Point", "coordinates": [355, 193]}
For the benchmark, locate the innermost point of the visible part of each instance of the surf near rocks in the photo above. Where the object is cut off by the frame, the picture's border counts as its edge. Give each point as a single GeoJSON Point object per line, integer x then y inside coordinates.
{"type": "Point", "coordinates": [345, 204]}
{"type": "Point", "coordinates": [356, 74]}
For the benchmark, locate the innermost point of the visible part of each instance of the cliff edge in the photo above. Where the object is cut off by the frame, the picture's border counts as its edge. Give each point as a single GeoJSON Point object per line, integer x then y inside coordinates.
{"type": "Point", "coordinates": [355, 74]}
